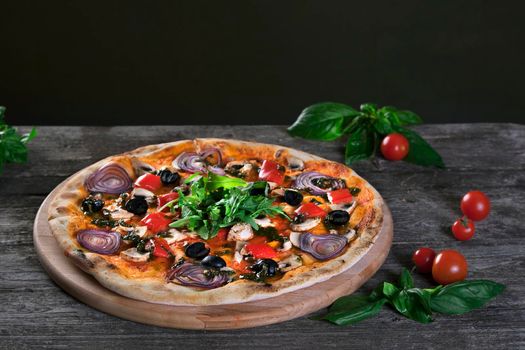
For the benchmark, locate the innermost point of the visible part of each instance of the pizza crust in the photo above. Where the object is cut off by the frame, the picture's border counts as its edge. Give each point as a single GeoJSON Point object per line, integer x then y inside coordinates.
{"type": "Point", "coordinates": [62, 213]}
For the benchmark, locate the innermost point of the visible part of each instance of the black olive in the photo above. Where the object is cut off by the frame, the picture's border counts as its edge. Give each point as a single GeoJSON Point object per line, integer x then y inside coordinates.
{"type": "Point", "coordinates": [92, 205]}
{"type": "Point", "coordinates": [196, 250]}
{"type": "Point", "coordinates": [167, 177]}
{"type": "Point", "coordinates": [293, 197]}
{"type": "Point", "coordinates": [299, 219]}
{"type": "Point", "coordinates": [337, 217]}
{"type": "Point", "coordinates": [137, 205]}
{"type": "Point", "coordinates": [269, 265]}
{"type": "Point", "coordinates": [213, 261]}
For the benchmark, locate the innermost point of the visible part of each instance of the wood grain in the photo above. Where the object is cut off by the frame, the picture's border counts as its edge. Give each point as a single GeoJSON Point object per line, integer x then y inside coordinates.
{"type": "Point", "coordinates": [36, 313]}
{"type": "Point", "coordinates": [217, 317]}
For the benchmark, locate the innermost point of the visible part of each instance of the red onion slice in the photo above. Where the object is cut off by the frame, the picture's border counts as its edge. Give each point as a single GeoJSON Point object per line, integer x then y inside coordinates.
{"type": "Point", "coordinates": [192, 275]}
{"type": "Point", "coordinates": [307, 181]}
{"type": "Point", "coordinates": [192, 162]}
{"type": "Point", "coordinates": [322, 247]}
{"type": "Point", "coordinates": [102, 242]}
{"type": "Point", "coordinates": [110, 178]}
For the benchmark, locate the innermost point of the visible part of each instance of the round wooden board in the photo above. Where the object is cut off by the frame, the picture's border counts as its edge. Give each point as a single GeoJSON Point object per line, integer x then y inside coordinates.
{"type": "Point", "coordinates": [216, 317]}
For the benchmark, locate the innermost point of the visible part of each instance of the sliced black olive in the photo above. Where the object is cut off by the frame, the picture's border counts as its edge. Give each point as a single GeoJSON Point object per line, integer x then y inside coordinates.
{"type": "Point", "coordinates": [137, 205]}
{"type": "Point", "coordinates": [196, 250]}
{"type": "Point", "coordinates": [213, 261]}
{"type": "Point", "coordinates": [337, 217]}
{"type": "Point", "coordinates": [92, 205]}
{"type": "Point", "coordinates": [269, 265]}
{"type": "Point", "coordinates": [293, 197]}
{"type": "Point", "coordinates": [167, 177]}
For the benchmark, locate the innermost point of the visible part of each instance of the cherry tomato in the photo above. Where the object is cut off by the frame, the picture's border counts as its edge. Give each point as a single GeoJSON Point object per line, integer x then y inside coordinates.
{"type": "Point", "coordinates": [394, 146]}
{"type": "Point", "coordinates": [310, 210]}
{"type": "Point", "coordinates": [423, 258]}
{"type": "Point", "coordinates": [161, 248]}
{"type": "Point", "coordinates": [341, 196]}
{"type": "Point", "coordinates": [149, 182]}
{"type": "Point", "coordinates": [475, 205]}
{"type": "Point", "coordinates": [270, 171]}
{"type": "Point", "coordinates": [463, 229]}
{"type": "Point", "coordinates": [166, 198]}
{"type": "Point", "coordinates": [449, 266]}
{"type": "Point", "coordinates": [260, 250]}
{"type": "Point", "coordinates": [156, 222]}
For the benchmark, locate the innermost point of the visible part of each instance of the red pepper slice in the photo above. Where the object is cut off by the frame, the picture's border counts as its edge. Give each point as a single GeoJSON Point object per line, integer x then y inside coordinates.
{"type": "Point", "coordinates": [260, 250]}
{"type": "Point", "coordinates": [166, 198]}
{"type": "Point", "coordinates": [149, 182]}
{"type": "Point", "coordinates": [156, 222]}
{"type": "Point", "coordinates": [310, 210]}
{"type": "Point", "coordinates": [342, 196]}
{"type": "Point", "coordinates": [270, 172]}
{"type": "Point", "coordinates": [161, 248]}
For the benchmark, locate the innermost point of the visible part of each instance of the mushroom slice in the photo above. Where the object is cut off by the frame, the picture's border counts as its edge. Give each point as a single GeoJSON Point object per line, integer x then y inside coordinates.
{"type": "Point", "coordinates": [141, 167]}
{"type": "Point", "coordinates": [287, 245]}
{"type": "Point", "coordinates": [121, 214]}
{"type": "Point", "coordinates": [240, 232]}
{"type": "Point", "coordinates": [346, 207]}
{"type": "Point", "coordinates": [290, 263]}
{"type": "Point", "coordinates": [308, 224]}
{"type": "Point", "coordinates": [295, 164]}
{"type": "Point", "coordinates": [277, 192]}
{"type": "Point", "coordinates": [264, 222]}
{"type": "Point", "coordinates": [350, 235]}
{"type": "Point", "coordinates": [175, 236]}
{"type": "Point", "coordinates": [239, 168]}
{"type": "Point", "coordinates": [294, 238]}
{"type": "Point", "coordinates": [141, 192]}
{"type": "Point", "coordinates": [133, 255]}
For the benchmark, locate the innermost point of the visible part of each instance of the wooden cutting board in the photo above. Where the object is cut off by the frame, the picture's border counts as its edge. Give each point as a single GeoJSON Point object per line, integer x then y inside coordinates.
{"type": "Point", "coordinates": [216, 317]}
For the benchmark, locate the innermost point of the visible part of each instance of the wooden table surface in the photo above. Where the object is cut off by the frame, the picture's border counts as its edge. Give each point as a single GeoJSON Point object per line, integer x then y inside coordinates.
{"type": "Point", "coordinates": [34, 312]}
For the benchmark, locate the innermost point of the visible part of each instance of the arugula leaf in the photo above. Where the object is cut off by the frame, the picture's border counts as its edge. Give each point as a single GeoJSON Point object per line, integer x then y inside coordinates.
{"type": "Point", "coordinates": [420, 152]}
{"type": "Point", "coordinates": [460, 297]}
{"type": "Point", "coordinates": [360, 145]}
{"type": "Point", "coordinates": [323, 121]}
{"type": "Point", "coordinates": [218, 181]}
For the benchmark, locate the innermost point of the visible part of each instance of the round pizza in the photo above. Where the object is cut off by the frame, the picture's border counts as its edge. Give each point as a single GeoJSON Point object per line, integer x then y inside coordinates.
{"type": "Point", "coordinates": [214, 221]}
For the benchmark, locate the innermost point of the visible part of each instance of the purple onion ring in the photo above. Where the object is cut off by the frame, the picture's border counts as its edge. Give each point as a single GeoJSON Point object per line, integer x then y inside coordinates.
{"type": "Point", "coordinates": [110, 178]}
{"type": "Point", "coordinates": [322, 247]}
{"type": "Point", "coordinates": [192, 275]}
{"type": "Point", "coordinates": [98, 241]}
{"type": "Point", "coordinates": [211, 151]}
{"type": "Point", "coordinates": [306, 181]}
{"type": "Point", "coordinates": [192, 162]}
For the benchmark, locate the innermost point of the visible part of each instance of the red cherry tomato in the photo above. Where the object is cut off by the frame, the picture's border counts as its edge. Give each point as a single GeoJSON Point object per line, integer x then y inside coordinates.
{"type": "Point", "coordinates": [463, 229]}
{"type": "Point", "coordinates": [149, 182]}
{"type": "Point", "coordinates": [161, 248]}
{"type": "Point", "coordinates": [449, 266]}
{"type": "Point", "coordinates": [475, 205]}
{"type": "Point", "coordinates": [270, 171]}
{"type": "Point", "coordinates": [310, 210]}
{"type": "Point", "coordinates": [394, 146]}
{"type": "Point", "coordinates": [156, 222]}
{"type": "Point", "coordinates": [341, 196]}
{"type": "Point", "coordinates": [423, 258]}
{"type": "Point", "coordinates": [166, 198]}
{"type": "Point", "coordinates": [260, 250]}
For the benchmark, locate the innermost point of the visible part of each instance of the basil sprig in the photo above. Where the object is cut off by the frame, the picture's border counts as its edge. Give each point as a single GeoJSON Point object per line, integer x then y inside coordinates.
{"type": "Point", "coordinates": [414, 303]}
{"type": "Point", "coordinates": [365, 128]}
{"type": "Point", "coordinates": [12, 145]}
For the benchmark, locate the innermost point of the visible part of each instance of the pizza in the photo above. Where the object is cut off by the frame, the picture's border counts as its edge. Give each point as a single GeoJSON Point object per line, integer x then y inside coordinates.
{"type": "Point", "coordinates": [214, 221]}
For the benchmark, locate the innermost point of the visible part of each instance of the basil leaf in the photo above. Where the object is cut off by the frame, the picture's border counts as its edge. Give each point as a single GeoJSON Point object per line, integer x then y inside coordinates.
{"type": "Point", "coordinates": [398, 117]}
{"type": "Point", "coordinates": [405, 280]}
{"type": "Point", "coordinates": [384, 290]}
{"type": "Point", "coordinates": [354, 315]}
{"type": "Point", "coordinates": [323, 121]}
{"type": "Point", "coordinates": [360, 145]}
{"type": "Point", "coordinates": [409, 305]}
{"type": "Point", "coordinates": [424, 296]}
{"type": "Point", "coordinates": [369, 108]}
{"type": "Point", "coordinates": [420, 152]}
{"type": "Point", "coordinates": [349, 302]}
{"type": "Point", "coordinates": [382, 125]}
{"type": "Point", "coordinates": [2, 113]}
{"type": "Point", "coordinates": [460, 297]}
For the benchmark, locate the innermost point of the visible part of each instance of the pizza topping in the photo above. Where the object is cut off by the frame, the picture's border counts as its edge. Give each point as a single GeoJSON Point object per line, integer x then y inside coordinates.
{"type": "Point", "coordinates": [240, 232]}
{"type": "Point", "coordinates": [264, 222]}
{"type": "Point", "coordinates": [317, 183]}
{"type": "Point", "coordinates": [192, 162]}
{"type": "Point", "coordinates": [137, 205]}
{"type": "Point", "coordinates": [293, 197]}
{"type": "Point", "coordinates": [341, 196]}
{"type": "Point", "coordinates": [167, 177]}
{"type": "Point", "coordinates": [161, 248]}
{"type": "Point", "coordinates": [260, 250]}
{"type": "Point", "coordinates": [92, 204]}
{"type": "Point", "coordinates": [133, 255]}
{"type": "Point", "coordinates": [295, 164]}
{"type": "Point", "coordinates": [165, 199]}
{"type": "Point", "coordinates": [110, 178]}
{"type": "Point", "coordinates": [213, 261]}
{"type": "Point", "coordinates": [265, 267]}
{"type": "Point", "coordinates": [242, 169]}
{"type": "Point", "coordinates": [120, 214]}
{"type": "Point", "coordinates": [305, 225]}
{"type": "Point", "coordinates": [337, 218]}
{"type": "Point", "coordinates": [310, 210]}
{"type": "Point", "coordinates": [156, 222]}
{"type": "Point", "coordinates": [141, 167]}
{"type": "Point", "coordinates": [142, 192]}
{"type": "Point", "coordinates": [291, 262]}
{"type": "Point", "coordinates": [102, 242]}
{"type": "Point", "coordinates": [193, 275]}
{"type": "Point", "coordinates": [271, 171]}
{"type": "Point", "coordinates": [196, 250]}
{"type": "Point", "coordinates": [321, 247]}
{"type": "Point", "coordinates": [149, 182]}
{"type": "Point", "coordinates": [349, 208]}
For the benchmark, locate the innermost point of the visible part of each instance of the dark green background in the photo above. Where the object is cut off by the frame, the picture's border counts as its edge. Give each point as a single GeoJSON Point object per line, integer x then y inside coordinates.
{"type": "Point", "coordinates": [258, 62]}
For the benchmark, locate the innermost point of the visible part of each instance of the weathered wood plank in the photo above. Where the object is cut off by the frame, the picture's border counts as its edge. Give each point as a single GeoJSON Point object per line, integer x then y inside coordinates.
{"type": "Point", "coordinates": [34, 312]}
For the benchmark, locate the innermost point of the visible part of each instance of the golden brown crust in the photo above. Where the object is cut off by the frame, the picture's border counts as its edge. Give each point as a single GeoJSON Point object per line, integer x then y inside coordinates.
{"type": "Point", "coordinates": [65, 219]}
